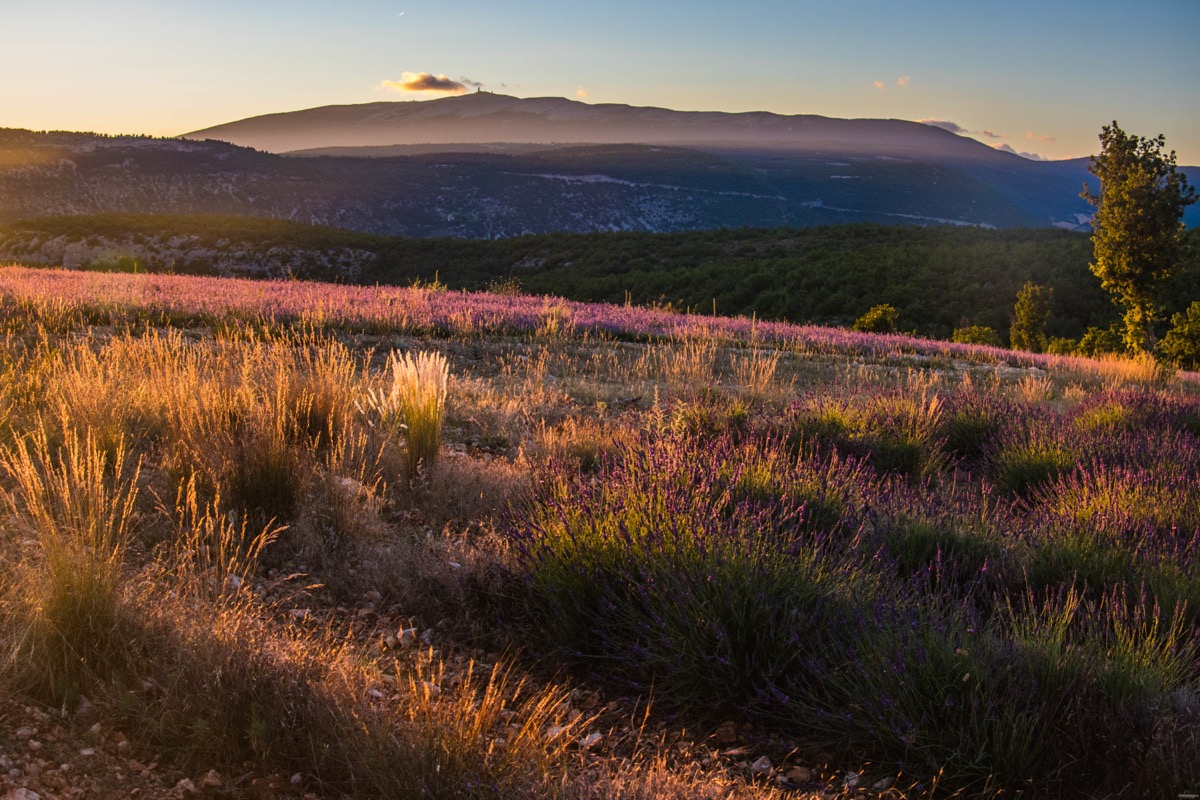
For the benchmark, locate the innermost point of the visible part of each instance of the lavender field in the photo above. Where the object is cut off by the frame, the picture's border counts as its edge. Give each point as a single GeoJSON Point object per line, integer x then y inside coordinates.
{"type": "Point", "coordinates": [609, 552]}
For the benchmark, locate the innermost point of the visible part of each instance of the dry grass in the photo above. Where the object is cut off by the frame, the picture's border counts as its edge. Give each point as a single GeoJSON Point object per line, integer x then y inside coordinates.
{"type": "Point", "coordinates": [414, 405]}
{"type": "Point", "coordinates": [654, 779]}
{"type": "Point", "coordinates": [755, 371]}
{"type": "Point", "coordinates": [75, 503]}
{"type": "Point", "coordinates": [1114, 371]}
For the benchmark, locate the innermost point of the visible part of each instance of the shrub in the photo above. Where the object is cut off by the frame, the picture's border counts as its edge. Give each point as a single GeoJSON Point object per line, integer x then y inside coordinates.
{"type": "Point", "coordinates": [976, 334]}
{"type": "Point", "coordinates": [666, 571]}
{"type": "Point", "coordinates": [882, 318]}
{"type": "Point", "coordinates": [1181, 345]}
{"type": "Point", "coordinates": [1061, 346]}
{"type": "Point", "coordinates": [1096, 342]}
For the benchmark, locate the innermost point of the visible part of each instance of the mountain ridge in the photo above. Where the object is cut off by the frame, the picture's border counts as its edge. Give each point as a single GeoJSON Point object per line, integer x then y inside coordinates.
{"type": "Point", "coordinates": [483, 117]}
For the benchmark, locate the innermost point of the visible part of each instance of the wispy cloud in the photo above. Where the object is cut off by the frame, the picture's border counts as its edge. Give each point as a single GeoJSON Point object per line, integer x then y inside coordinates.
{"type": "Point", "coordinates": [1036, 137]}
{"type": "Point", "coordinates": [581, 92]}
{"type": "Point", "coordinates": [1007, 148]}
{"type": "Point", "coordinates": [425, 82]}
{"type": "Point", "coordinates": [903, 81]}
{"type": "Point", "coordinates": [954, 127]}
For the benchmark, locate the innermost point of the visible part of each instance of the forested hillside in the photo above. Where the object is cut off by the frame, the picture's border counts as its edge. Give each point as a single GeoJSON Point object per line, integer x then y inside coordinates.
{"type": "Point", "coordinates": [937, 278]}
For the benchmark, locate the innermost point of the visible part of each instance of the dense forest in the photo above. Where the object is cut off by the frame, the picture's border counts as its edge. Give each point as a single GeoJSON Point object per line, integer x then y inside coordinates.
{"type": "Point", "coordinates": [938, 278]}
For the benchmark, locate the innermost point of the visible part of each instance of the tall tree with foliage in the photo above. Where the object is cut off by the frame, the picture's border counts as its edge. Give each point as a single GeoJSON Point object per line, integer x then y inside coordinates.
{"type": "Point", "coordinates": [1030, 315]}
{"type": "Point", "coordinates": [1137, 229]}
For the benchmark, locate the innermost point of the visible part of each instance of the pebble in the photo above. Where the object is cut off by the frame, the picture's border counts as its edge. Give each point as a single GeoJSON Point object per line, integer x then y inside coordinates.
{"type": "Point", "coordinates": [799, 774]}
{"type": "Point", "coordinates": [726, 733]}
{"type": "Point", "coordinates": [762, 766]}
{"type": "Point", "coordinates": [20, 794]}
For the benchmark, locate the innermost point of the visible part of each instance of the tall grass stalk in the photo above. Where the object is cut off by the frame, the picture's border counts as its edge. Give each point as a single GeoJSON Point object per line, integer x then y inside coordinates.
{"type": "Point", "coordinates": [415, 404]}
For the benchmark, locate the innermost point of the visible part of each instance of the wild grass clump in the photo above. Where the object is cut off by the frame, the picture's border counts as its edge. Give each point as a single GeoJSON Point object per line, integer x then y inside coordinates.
{"type": "Point", "coordinates": [898, 432]}
{"type": "Point", "coordinates": [662, 571]}
{"type": "Point", "coordinates": [971, 423]}
{"type": "Point", "coordinates": [755, 371]}
{"type": "Point", "coordinates": [1056, 692]}
{"type": "Point", "coordinates": [76, 503]}
{"type": "Point", "coordinates": [947, 549]}
{"type": "Point", "coordinates": [1113, 501]}
{"type": "Point", "coordinates": [415, 405]}
{"type": "Point", "coordinates": [1034, 450]}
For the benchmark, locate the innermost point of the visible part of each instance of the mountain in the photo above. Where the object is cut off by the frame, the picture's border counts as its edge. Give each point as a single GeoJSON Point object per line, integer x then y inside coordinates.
{"type": "Point", "coordinates": [483, 117]}
{"type": "Point", "coordinates": [490, 166]}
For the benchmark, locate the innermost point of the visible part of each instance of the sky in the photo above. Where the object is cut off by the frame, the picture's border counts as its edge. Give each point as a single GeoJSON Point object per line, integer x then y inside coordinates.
{"type": "Point", "coordinates": [1040, 78]}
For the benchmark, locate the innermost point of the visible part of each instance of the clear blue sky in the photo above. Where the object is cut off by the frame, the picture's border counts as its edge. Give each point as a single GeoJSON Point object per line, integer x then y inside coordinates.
{"type": "Point", "coordinates": [1041, 77]}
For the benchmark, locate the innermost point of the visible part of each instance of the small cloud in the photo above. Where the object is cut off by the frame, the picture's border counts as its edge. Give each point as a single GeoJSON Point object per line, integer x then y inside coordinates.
{"type": "Point", "coordinates": [991, 135]}
{"type": "Point", "coordinates": [945, 125]}
{"type": "Point", "coordinates": [424, 82]}
{"type": "Point", "coordinates": [1007, 148]}
{"type": "Point", "coordinates": [879, 85]}
{"type": "Point", "coordinates": [1034, 137]}
{"type": "Point", "coordinates": [581, 92]}
{"type": "Point", "coordinates": [471, 83]}
{"type": "Point", "coordinates": [903, 81]}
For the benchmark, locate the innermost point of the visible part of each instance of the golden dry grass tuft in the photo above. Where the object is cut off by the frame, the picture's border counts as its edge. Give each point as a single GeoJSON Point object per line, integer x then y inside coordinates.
{"type": "Point", "coordinates": [414, 404]}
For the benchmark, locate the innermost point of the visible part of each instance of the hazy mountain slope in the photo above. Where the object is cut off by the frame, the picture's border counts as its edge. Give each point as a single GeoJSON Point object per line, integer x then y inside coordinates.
{"type": "Point", "coordinates": [484, 195]}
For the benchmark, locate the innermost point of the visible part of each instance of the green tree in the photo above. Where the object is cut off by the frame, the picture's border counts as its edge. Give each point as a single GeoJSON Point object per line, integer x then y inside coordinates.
{"type": "Point", "coordinates": [1181, 345]}
{"type": "Point", "coordinates": [1137, 229]}
{"type": "Point", "coordinates": [1030, 314]}
{"type": "Point", "coordinates": [882, 318]}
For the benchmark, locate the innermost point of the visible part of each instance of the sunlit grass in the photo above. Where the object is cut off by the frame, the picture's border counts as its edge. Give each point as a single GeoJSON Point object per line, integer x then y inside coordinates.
{"type": "Point", "coordinates": [414, 405]}
{"type": "Point", "coordinates": [77, 503]}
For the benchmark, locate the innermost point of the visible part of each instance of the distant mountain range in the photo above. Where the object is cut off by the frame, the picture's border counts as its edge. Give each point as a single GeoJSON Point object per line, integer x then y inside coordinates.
{"type": "Point", "coordinates": [487, 166]}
